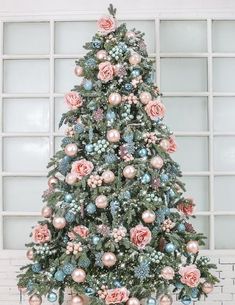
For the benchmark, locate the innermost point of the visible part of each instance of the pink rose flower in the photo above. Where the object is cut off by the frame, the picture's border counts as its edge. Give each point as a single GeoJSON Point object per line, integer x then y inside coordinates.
{"type": "Point", "coordinates": [155, 109]}
{"type": "Point", "coordinates": [186, 207]}
{"type": "Point", "coordinates": [81, 230]}
{"type": "Point", "coordinates": [140, 236]}
{"type": "Point", "coordinates": [41, 234]}
{"type": "Point", "coordinates": [190, 275]}
{"type": "Point", "coordinates": [106, 71]}
{"type": "Point", "coordinates": [82, 168]}
{"type": "Point", "coordinates": [73, 100]}
{"type": "Point", "coordinates": [106, 25]}
{"type": "Point", "coordinates": [172, 145]}
{"type": "Point", "coordinates": [117, 295]}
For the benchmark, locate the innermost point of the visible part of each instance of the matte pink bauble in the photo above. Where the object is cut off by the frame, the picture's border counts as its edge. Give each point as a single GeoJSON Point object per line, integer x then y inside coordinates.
{"type": "Point", "coordinates": [79, 275]}
{"type": "Point", "coordinates": [192, 247]}
{"type": "Point", "coordinates": [109, 259]}
{"type": "Point", "coordinates": [46, 212]}
{"type": "Point", "coordinates": [168, 273]}
{"type": "Point", "coordinates": [207, 287]}
{"type": "Point", "coordinates": [165, 299]}
{"type": "Point", "coordinates": [101, 54]}
{"type": "Point", "coordinates": [35, 299]}
{"type": "Point", "coordinates": [113, 135]}
{"type": "Point", "coordinates": [156, 162]}
{"type": "Point", "coordinates": [133, 301]}
{"type": "Point", "coordinates": [59, 222]}
{"type": "Point", "coordinates": [145, 97]}
{"type": "Point", "coordinates": [77, 300]}
{"type": "Point", "coordinates": [29, 254]}
{"type": "Point", "coordinates": [129, 172]}
{"type": "Point", "coordinates": [134, 59]}
{"type": "Point", "coordinates": [71, 150]}
{"type": "Point", "coordinates": [52, 181]}
{"type": "Point", "coordinates": [108, 176]}
{"type": "Point", "coordinates": [164, 144]}
{"type": "Point", "coordinates": [148, 216]}
{"type": "Point", "coordinates": [101, 202]}
{"type": "Point", "coordinates": [78, 71]}
{"type": "Point", "coordinates": [115, 99]}
{"type": "Point", "coordinates": [71, 179]}
{"type": "Point", "coordinates": [130, 35]}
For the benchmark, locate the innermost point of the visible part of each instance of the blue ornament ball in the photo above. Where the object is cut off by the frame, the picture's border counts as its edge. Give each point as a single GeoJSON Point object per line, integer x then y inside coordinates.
{"type": "Point", "coordinates": [89, 147]}
{"type": "Point", "coordinates": [68, 198]}
{"type": "Point", "coordinates": [52, 297]}
{"type": "Point", "coordinates": [186, 300]}
{"type": "Point", "coordinates": [70, 217]}
{"type": "Point", "coordinates": [89, 291]}
{"type": "Point", "coordinates": [146, 178]}
{"type": "Point", "coordinates": [95, 240]}
{"type": "Point", "coordinates": [117, 283]}
{"type": "Point", "coordinates": [181, 227]}
{"type": "Point", "coordinates": [36, 268]}
{"type": "Point", "coordinates": [194, 293]}
{"type": "Point", "coordinates": [135, 73]}
{"type": "Point", "coordinates": [91, 208]}
{"type": "Point", "coordinates": [167, 211]}
{"type": "Point", "coordinates": [128, 87]}
{"type": "Point", "coordinates": [151, 301]}
{"type": "Point", "coordinates": [96, 43]}
{"type": "Point", "coordinates": [179, 285]}
{"type": "Point", "coordinates": [110, 115]}
{"type": "Point", "coordinates": [164, 177]}
{"type": "Point", "coordinates": [87, 84]}
{"type": "Point", "coordinates": [59, 276]}
{"type": "Point", "coordinates": [142, 152]}
{"type": "Point", "coordinates": [68, 268]}
{"type": "Point", "coordinates": [170, 248]}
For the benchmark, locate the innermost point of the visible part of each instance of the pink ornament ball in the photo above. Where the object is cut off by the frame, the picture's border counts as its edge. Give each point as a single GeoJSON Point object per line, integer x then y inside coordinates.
{"type": "Point", "coordinates": [46, 212]}
{"type": "Point", "coordinates": [29, 254]}
{"type": "Point", "coordinates": [165, 300]}
{"type": "Point", "coordinates": [114, 99]}
{"type": "Point", "coordinates": [78, 71]}
{"type": "Point", "coordinates": [79, 275]}
{"type": "Point", "coordinates": [77, 300]}
{"type": "Point", "coordinates": [164, 144]}
{"type": "Point", "coordinates": [113, 136]}
{"type": "Point", "coordinates": [145, 97]}
{"type": "Point", "coordinates": [71, 179]}
{"type": "Point", "coordinates": [207, 287]}
{"type": "Point", "coordinates": [133, 301]}
{"type": "Point", "coordinates": [129, 172]}
{"type": "Point", "coordinates": [168, 273]}
{"type": "Point", "coordinates": [71, 150]}
{"type": "Point", "coordinates": [109, 259]}
{"type": "Point", "coordinates": [108, 176]}
{"type": "Point", "coordinates": [59, 223]}
{"type": "Point", "coordinates": [130, 35]}
{"type": "Point", "coordinates": [192, 247]}
{"type": "Point", "coordinates": [101, 54]}
{"type": "Point", "coordinates": [35, 299]}
{"type": "Point", "coordinates": [148, 216]}
{"type": "Point", "coordinates": [52, 182]}
{"type": "Point", "coordinates": [156, 162]}
{"type": "Point", "coordinates": [134, 59]}
{"type": "Point", "coordinates": [101, 202]}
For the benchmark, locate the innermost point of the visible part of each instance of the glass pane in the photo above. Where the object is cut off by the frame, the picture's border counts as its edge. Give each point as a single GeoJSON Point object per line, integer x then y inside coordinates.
{"type": "Point", "coordinates": [29, 189]}
{"type": "Point", "coordinates": [224, 227]}
{"type": "Point", "coordinates": [16, 231]}
{"type": "Point", "coordinates": [180, 107]}
{"type": "Point", "coordinates": [183, 36]}
{"type": "Point", "coordinates": [71, 36]}
{"type": "Point", "coordinates": [60, 108]}
{"type": "Point", "coordinates": [223, 74]}
{"type": "Point", "coordinates": [25, 154]}
{"type": "Point", "coordinates": [26, 76]}
{"type": "Point", "coordinates": [26, 115]}
{"type": "Point", "coordinates": [65, 79]}
{"type": "Point", "coordinates": [224, 109]}
{"type": "Point", "coordinates": [224, 153]}
{"type": "Point", "coordinates": [26, 38]}
{"type": "Point", "coordinates": [224, 193]}
{"type": "Point", "coordinates": [183, 74]}
{"type": "Point", "coordinates": [198, 189]}
{"type": "Point", "coordinates": [192, 153]}
{"type": "Point", "coordinates": [202, 224]}
{"type": "Point", "coordinates": [223, 39]}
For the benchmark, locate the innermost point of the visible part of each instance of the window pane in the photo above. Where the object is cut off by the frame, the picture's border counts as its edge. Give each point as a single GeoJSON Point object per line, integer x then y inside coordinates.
{"type": "Point", "coordinates": [183, 36]}
{"type": "Point", "coordinates": [60, 108]}
{"type": "Point", "coordinates": [224, 227]}
{"type": "Point", "coordinates": [223, 35]}
{"type": "Point", "coordinates": [192, 153]}
{"type": "Point", "coordinates": [224, 109]}
{"type": "Point", "coordinates": [25, 154]}
{"type": "Point", "coordinates": [26, 76]}
{"type": "Point", "coordinates": [202, 224]}
{"type": "Point", "coordinates": [16, 231]}
{"type": "Point", "coordinates": [198, 189]}
{"type": "Point", "coordinates": [223, 74]}
{"type": "Point", "coordinates": [224, 193]}
{"type": "Point", "coordinates": [29, 189]}
{"type": "Point", "coordinates": [26, 115]}
{"type": "Point", "coordinates": [192, 109]}
{"type": "Point", "coordinates": [26, 38]}
{"type": "Point", "coordinates": [224, 153]}
{"type": "Point", "coordinates": [183, 74]}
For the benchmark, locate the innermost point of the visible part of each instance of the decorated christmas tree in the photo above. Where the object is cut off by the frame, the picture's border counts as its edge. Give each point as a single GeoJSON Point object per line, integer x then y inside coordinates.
{"type": "Point", "coordinates": [116, 227]}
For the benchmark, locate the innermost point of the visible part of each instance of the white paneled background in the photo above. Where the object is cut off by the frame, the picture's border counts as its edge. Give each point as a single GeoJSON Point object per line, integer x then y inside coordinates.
{"type": "Point", "coordinates": [195, 60]}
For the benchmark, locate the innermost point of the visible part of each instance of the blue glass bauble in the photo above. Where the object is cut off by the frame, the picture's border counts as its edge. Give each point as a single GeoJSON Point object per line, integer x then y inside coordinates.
{"type": "Point", "coordinates": [36, 268]}
{"type": "Point", "coordinates": [146, 178]}
{"type": "Point", "coordinates": [89, 291]}
{"type": "Point", "coordinates": [179, 285]}
{"type": "Point", "coordinates": [68, 198]}
{"type": "Point", "coordinates": [52, 296]}
{"type": "Point", "coordinates": [135, 73]}
{"type": "Point", "coordinates": [186, 300]}
{"type": "Point", "coordinates": [128, 87]}
{"type": "Point", "coordinates": [69, 216]}
{"type": "Point", "coordinates": [91, 208]}
{"type": "Point", "coordinates": [89, 147]}
{"type": "Point", "coordinates": [87, 84]}
{"type": "Point", "coordinates": [110, 115]}
{"type": "Point", "coordinates": [91, 62]}
{"type": "Point", "coordinates": [171, 193]}
{"type": "Point", "coordinates": [181, 227]}
{"type": "Point", "coordinates": [59, 276]}
{"type": "Point", "coordinates": [67, 159]}
{"type": "Point", "coordinates": [164, 177]}
{"type": "Point", "coordinates": [95, 240]}
{"type": "Point", "coordinates": [167, 211]}
{"type": "Point", "coordinates": [79, 128]}
{"type": "Point", "coordinates": [151, 301]}
{"type": "Point", "coordinates": [117, 283]}
{"type": "Point", "coordinates": [142, 152]}
{"type": "Point", "coordinates": [68, 268]}
{"type": "Point", "coordinates": [29, 286]}
{"type": "Point", "coordinates": [194, 293]}
{"type": "Point", "coordinates": [170, 248]}
{"type": "Point", "coordinates": [96, 43]}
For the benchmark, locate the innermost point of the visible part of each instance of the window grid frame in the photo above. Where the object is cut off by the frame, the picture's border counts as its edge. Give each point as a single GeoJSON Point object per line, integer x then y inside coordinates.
{"type": "Point", "coordinates": [51, 134]}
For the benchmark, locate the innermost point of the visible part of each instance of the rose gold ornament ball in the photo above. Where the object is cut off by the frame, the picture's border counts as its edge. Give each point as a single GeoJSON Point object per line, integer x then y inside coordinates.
{"type": "Point", "coordinates": [77, 300]}
{"type": "Point", "coordinates": [59, 222]}
{"type": "Point", "coordinates": [101, 202]}
{"type": "Point", "coordinates": [165, 300]}
{"type": "Point", "coordinates": [113, 135]}
{"type": "Point", "coordinates": [130, 35]}
{"type": "Point", "coordinates": [108, 176]}
{"type": "Point", "coordinates": [207, 287]}
{"type": "Point", "coordinates": [52, 182]}
{"type": "Point", "coordinates": [148, 216]}
{"type": "Point", "coordinates": [145, 97]}
{"type": "Point", "coordinates": [79, 275]}
{"type": "Point", "coordinates": [133, 301]}
{"type": "Point", "coordinates": [109, 259]}
{"type": "Point", "coordinates": [168, 273]}
{"type": "Point", "coordinates": [29, 254]}
{"type": "Point", "coordinates": [115, 99]}
{"type": "Point", "coordinates": [101, 54]}
{"type": "Point", "coordinates": [46, 212]}
{"type": "Point", "coordinates": [35, 300]}
{"type": "Point", "coordinates": [192, 247]}
{"type": "Point", "coordinates": [134, 59]}
{"type": "Point", "coordinates": [156, 162]}
{"type": "Point", "coordinates": [71, 179]}
{"type": "Point", "coordinates": [164, 144]}
{"type": "Point", "coordinates": [78, 71]}
{"type": "Point", "coordinates": [129, 172]}
{"type": "Point", "coordinates": [71, 150]}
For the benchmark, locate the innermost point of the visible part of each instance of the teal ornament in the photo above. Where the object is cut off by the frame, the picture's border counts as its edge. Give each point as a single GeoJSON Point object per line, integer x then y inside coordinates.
{"type": "Point", "coordinates": [164, 177]}
{"type": "Point", "coordinates": [170, 248]}
{"type": "Point", "coordinates": [96, 44]}
{"type": "Point", "coordinates": [89, 148]}
{"type": "Point", "coordinates": [128, 87]}
{"type": "Point", "coordinates": [91, 208]}
{"type": "Point", "coordinates": [79, 128]}
{"type": "Point", "coordinates": [117, 283]}
{"type": "Point", "coordinates": [167, 211]}
{"type": "Point", "coordinates": [135, 73]}
{"type": "Point", "coordinates": [142, 152]}
{"type": "Point", "coordinates": [59, 276]}
{"type": "Point", "coordinates": [52, 297]}
{"type": "Point", "coordinates": [95, 240]}
{"type": "Point", "coordinates": [36, 268]}
{"type": "Point", "coordinates": [89, 291]}
{"type": "Point", "coordinates": [110, 115]}
{"type": "Point", "coordinates": [68, 198]}
{"type": "Point", "coordinates": [68, 268]}
{"type": "Point", "coordinates": [179, 285]}
{"type": "Point", "coordinates": [70, 217]}
{"type": "Point", "coordinates": [194, 293]}
{"type": "Point", "coordinates": [181, 227]}
{"type": "Point", "coordinates": [87, 85]}
{"type": "Point", "coordinates": [151, 301]}
{"type": "Point", "coordinates": [146, 178]}
{"type": "Point", "coordinates": [186, 300]}
{"type": "Point", "coordinates": [29, 286]}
